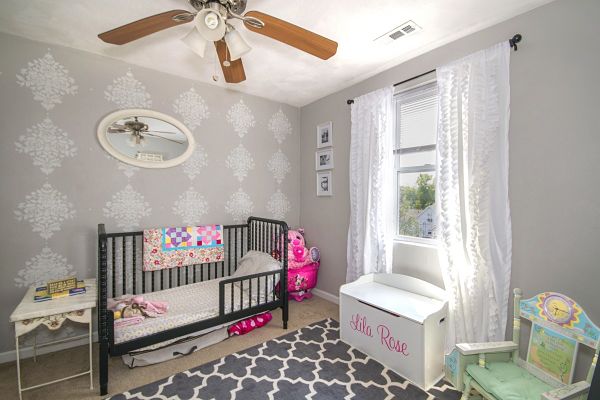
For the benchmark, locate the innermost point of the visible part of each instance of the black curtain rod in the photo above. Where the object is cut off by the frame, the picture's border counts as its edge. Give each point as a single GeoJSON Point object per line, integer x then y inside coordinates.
{"type": "Point", "coordinates": [512, 41]}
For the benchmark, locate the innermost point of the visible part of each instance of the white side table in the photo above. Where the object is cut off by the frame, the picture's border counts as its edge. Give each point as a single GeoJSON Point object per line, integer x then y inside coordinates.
{"type": "Point", "coordinates": [53, 313]}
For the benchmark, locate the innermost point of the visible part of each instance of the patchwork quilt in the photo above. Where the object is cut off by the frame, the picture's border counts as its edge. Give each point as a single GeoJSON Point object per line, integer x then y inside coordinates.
{"type": "Point", "coordinates": [179, 247]}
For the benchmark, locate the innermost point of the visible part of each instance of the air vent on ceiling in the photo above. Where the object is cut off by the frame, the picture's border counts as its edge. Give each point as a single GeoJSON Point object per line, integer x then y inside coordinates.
{"type": "Point", "coordinates": [407, 28]}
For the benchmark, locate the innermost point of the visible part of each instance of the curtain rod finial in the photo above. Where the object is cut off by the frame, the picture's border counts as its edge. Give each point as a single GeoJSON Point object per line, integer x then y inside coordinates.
{"type": "Point", "coordinates": [515, 39]}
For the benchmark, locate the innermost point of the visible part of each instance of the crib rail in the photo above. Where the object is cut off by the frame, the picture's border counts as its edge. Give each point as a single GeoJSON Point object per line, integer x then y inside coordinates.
{"type": "Point", "coordinates": [237, 295]}
{"type": "Point", "coordinates": [124, 257]}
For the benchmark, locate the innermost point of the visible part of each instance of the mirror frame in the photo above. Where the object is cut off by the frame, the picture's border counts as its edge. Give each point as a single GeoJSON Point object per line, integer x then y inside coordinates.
{"type": "Point", "coordinates": [141, 112]}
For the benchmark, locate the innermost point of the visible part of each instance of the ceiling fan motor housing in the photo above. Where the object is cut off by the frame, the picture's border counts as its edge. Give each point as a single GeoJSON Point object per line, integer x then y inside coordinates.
{"type": "Point", "coordinates": [235, 6]}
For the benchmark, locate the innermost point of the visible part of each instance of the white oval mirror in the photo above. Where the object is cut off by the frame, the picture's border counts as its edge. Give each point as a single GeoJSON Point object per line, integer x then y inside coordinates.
{"type": "Point", "coordinates": [145, 138]}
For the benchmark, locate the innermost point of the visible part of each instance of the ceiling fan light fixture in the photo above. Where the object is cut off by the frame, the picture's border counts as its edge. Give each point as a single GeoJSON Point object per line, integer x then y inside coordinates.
{"type": "Point", "coordinates": [195, 41]}
{"type": "Point", "coordinates": [210, 22]}
{"type": "Point", "coordinates": [236, 44]}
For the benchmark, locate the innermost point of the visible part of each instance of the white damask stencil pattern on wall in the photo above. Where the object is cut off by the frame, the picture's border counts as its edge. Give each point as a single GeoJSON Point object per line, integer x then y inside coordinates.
{"type": "Point", "coordinates": [47, 145]}
{"type": "Point", "coordinates": [43, 267]}
{"type": "Point", "coordinates": [127, 208]}
{"type": "Point", "coordinates": [48, 80]}
{"type": "Point", "coordinates": [279, 165]}
{"type": "Point", "coordinates": [128, 92]}
{"type": "Point", "coordinates": [280, 126]}
{"type": "Point", "coordinates": [128, 170]}
{"type": "Point", "coordinates": [191, 206]}
{"type": "Point", "coordinates": [45, 209]}
{"type": "Point", "coordinates": [278, 205]}
{"type": "Point", "coordinates": [239, 206]}
{"type": "Point", "coordinates": [240, 161]}
{"type": "Point", "coordinates": [198, 160]}
{"type": "Point", "coordinates": [241, 118]}
{"type": "Point", "coordinates": [192, 108]}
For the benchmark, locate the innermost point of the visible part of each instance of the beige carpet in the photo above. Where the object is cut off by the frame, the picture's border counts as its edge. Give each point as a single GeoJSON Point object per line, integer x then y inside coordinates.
{"type": "Point", "coordinates": [121, 378]}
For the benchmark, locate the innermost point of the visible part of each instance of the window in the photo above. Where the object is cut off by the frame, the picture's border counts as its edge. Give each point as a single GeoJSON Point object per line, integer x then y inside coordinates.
{"type": "Point", "coordinates": [415, 161]}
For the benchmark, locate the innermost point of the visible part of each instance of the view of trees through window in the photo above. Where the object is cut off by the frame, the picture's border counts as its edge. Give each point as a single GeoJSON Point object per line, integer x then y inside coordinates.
{"type": "Point", "coordinates": [415, 161]}
{"type": "Point", "coordinates": [415, 202]}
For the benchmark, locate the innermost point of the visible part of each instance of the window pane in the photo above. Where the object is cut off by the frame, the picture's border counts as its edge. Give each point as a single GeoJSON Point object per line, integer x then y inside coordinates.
{"type": "Point", "coordinates": [417, 213]}
{"type": "Point", "coordinates": [416, 159]}
{"type": "Point", "coordinates": [416, 121]}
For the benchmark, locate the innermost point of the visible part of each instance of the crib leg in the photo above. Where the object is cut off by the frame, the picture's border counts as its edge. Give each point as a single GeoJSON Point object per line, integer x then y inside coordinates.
{"type": "Point", "coordinates": [103, 355]}
{"type": "Point", "coordinates": [284, 314]}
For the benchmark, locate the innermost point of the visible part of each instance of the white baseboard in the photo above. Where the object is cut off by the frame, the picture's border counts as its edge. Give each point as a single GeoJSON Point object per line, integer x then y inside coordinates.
{"type": "Point", "coordinates": [27, 351]}
{"type": "Point", "coordinates": [326, 295]}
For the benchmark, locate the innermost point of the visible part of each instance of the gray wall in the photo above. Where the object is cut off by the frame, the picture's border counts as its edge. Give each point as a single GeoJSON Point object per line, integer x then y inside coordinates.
{"type": "Point", "coordinates": [554, 157]}
{"type": "Point", "coordinates": [91, 180]}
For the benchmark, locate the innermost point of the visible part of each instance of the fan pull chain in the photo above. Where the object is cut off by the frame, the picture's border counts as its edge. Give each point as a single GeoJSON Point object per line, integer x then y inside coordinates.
{"type": "Point", "coordinates": [226, 63]}
{"type": "Point", "coordinates": [215, 77]}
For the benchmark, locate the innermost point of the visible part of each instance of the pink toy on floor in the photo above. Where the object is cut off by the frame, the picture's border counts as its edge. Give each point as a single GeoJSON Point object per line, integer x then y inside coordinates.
{"type": "Point", "coordinates": [249, 324]}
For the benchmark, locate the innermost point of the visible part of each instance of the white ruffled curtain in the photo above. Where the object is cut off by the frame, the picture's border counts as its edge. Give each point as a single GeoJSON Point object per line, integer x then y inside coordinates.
{"type": "Point", "coordinates": [472, 190]}
{"type": "Point", "coordinates": [371, 184]}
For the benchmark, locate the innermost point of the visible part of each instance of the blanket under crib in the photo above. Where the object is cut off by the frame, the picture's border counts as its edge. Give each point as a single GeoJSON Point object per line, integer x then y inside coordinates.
{"type": "Point", "coordinates": [179, 247]}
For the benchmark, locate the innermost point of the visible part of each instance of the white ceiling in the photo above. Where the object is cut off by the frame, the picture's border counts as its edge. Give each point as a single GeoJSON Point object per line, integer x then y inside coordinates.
{"type": "Point", "coordinates": [274, 70]}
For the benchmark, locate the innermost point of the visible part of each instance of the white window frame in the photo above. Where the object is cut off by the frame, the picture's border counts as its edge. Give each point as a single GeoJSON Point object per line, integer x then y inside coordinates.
{"type": "Point", "coordinates": [412, 240]}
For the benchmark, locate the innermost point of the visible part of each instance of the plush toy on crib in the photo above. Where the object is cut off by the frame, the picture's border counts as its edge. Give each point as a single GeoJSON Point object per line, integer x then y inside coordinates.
{"type": "Point", "coordinates": [303, 266]}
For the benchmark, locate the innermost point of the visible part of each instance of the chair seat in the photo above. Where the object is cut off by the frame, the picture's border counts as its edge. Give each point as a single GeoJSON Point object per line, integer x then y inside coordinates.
{"type": "Point", "coordinates": [508, 381]}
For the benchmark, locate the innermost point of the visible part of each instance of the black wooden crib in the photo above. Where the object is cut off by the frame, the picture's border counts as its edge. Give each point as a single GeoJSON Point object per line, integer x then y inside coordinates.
{"type": "Point", "coordinates": [120, 272]}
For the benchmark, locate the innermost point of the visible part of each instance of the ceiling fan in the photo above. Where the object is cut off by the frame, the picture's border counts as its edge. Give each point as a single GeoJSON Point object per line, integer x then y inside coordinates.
{"type": "Point", "coordinates": [212, 24]}
{"type": "Point", "coordinates": [138, 130]}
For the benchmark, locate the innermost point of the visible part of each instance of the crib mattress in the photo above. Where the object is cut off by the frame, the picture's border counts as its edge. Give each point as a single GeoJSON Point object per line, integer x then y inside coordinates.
{"type": "Point", "coordinates": [187, 304]}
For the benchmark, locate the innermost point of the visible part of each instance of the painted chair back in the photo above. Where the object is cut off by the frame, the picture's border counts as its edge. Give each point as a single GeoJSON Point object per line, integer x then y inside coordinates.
{"type": "Point", "coordinates": [559, 326]}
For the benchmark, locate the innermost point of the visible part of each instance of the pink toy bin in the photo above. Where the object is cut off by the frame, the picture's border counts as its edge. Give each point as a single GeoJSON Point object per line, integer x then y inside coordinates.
{"type": "Point", "coordinates": [302, 280]}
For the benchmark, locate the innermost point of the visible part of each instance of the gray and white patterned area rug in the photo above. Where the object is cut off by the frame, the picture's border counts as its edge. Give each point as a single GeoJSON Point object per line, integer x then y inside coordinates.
{"type": "Point", "coordinates": [310, 363]}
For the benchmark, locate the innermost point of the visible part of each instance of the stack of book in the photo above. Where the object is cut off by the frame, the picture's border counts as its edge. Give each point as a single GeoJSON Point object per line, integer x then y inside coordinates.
{"type": "Point", "coordinates": [42, 293]}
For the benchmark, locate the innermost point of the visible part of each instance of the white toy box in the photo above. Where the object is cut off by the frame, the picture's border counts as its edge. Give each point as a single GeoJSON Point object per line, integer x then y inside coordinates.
{"type": "Point", "coordinates": [398, 320]}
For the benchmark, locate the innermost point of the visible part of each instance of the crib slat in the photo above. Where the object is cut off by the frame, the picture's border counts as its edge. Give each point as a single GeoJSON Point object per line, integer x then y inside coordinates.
{"type": "Point", "coordinates": [123, 266]}
{"type": "Point", "coordinates": [235, 250]}
{"type": "Point", "coordinates": [263, 245]}
{"type": "Point", "coordinates": [114, 279]}
{"type": "Point", "coordinates": [231, 307]}
{"type": "Point", "coordinates": [201, 272]}
{"type": "Point", "coordinates": [229, 251]}
{"type": "Point", "coordinates": [241, 295]}
{"type": "Point", "coordinates": [133, 262]}
{"type": "Point", "coordinates": [250, 293]}
{"type": "Point", "coordinates": [242, 243]}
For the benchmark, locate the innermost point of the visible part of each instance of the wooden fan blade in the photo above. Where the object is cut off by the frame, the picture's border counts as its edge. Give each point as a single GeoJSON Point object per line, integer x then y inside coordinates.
{"type": "Point", "coordinates": [293, 35]}
{"type": "Point", "coordinates": [144, 27]}
{"type": "Point", "coordinates": [235, 72]}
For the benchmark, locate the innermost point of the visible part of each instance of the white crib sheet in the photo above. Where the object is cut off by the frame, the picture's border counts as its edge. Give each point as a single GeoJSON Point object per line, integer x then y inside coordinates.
{"type": "Point", "coordinates": [187, 304]}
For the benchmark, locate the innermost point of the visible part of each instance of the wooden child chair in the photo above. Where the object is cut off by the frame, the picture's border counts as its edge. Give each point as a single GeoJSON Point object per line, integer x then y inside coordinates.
{"type": "Point", "coordinates": [494, 371]}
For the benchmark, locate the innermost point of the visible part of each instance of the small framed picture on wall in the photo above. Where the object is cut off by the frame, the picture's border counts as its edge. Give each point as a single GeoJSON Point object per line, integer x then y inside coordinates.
{"type": "Point", "coordinates": [324, 187]}
{"type": "Point", "coordinates": [325, 135]}
{"type": "Point", "coordinates": [324, 159]}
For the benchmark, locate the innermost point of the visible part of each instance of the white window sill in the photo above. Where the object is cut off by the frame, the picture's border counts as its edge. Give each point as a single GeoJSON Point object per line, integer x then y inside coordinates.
{"type": "Point", "coordinates": [426, 243]}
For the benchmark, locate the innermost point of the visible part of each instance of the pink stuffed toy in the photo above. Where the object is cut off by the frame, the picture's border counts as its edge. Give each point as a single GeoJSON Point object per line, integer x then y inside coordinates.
{"type": "Point", "coordinates": [298, 254]}
{"type": "Point", "coordinates": [249, 324]}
